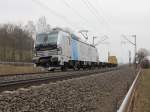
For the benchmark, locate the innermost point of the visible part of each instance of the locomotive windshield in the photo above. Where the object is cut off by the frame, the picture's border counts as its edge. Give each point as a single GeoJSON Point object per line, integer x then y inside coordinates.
{"type": "Point", "coordinates": [50, 38]}
{"type": "Point", "coordinates": [40, 38]}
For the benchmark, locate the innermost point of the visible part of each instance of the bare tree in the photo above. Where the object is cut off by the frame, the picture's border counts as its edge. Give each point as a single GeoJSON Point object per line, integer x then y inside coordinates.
{"type": "Point", "coordinates": [42, 25]}
{"type": "Point", "coordinates": [30, 27]}
{"type": "Point", "coordinates": [16, 43]}
{"type": "Point", "coordinates": [48, 28]}
{"type": "Point", "coordinates": [141, 54]}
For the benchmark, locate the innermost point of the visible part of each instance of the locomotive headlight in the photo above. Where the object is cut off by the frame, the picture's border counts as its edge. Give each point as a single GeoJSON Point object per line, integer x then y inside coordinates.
{"type": "Point", "coordinates": [35, 53]}
{"type": "Point", "coordinates": [59, 49]}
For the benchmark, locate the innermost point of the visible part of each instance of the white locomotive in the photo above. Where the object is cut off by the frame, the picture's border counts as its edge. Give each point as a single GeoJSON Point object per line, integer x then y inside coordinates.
{"type": "Point", "coordinates": [60, 48]}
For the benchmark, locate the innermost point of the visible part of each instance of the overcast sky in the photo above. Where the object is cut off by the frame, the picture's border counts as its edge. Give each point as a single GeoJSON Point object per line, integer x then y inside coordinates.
{"type": "Point", "coordinates": [106, 17]}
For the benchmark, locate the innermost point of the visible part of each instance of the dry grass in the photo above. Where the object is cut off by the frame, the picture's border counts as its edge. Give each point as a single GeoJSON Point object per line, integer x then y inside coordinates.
{"type": "Point", "coordinates": [143, 98]}
{"type": "Point", "coordinates": [11, 69]}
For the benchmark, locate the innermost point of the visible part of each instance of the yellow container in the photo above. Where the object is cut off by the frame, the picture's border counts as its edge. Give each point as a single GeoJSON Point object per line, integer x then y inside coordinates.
{"type": "Point", "coordinates": [112, 60]}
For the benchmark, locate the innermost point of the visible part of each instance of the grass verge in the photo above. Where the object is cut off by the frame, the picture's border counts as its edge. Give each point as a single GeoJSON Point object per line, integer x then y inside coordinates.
{"type": "Point", "coordinates": [142, 102]}
{"type": "Point", "coordinates": [12, 69]}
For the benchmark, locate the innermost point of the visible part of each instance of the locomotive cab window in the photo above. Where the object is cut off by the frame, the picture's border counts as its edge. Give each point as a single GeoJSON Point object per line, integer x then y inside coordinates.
{"type": "Point", "coordinates": [41, 38]}
{"type": "Point", "coordinates": [52, 38]}
{"type": "Point", "coordinates": [47, 38]}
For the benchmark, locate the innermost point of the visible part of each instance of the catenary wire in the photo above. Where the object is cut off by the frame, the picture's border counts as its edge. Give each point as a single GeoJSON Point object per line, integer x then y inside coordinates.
{"type": "Point", "coordinates": [75, 11]}
{"type": "Point", "coordinates": [55, 13]}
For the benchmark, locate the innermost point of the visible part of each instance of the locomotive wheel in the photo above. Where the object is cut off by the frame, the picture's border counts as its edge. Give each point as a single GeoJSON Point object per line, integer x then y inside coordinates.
{"type": "Point", "coordinates": [89, 67]}
{"type": "Point", "coordinates": [84, 68]}
{"type": "Point", "coordinates": [76, 67]}
{"type": "Point", "coordinates": [63, 68]}
{"type": "Point", "coordinates": [52, 70]}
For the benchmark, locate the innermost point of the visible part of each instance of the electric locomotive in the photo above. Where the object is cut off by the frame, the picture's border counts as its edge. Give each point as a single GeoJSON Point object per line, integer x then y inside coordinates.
{"type": "Point", "coordinates": [62, 49]}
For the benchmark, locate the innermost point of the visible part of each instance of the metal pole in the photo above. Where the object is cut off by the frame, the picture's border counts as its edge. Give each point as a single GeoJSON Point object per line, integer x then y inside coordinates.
{"type": "Point", "coordinates": [135, 47]}
{"type": "Point", "coordinates": [134, 44]}
{"type": "Point", "coordinates": [129, 57]}
{"type": "Point", "coordinates": [93, 39]}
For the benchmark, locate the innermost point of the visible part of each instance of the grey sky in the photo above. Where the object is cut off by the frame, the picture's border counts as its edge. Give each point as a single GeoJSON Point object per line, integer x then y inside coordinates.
{"type": "Point", "coordinates": [116, 17]}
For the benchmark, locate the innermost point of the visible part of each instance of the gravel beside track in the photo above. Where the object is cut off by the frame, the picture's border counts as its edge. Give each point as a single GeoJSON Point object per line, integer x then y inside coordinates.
{"type": "Point", "coordinates": [102, 92]}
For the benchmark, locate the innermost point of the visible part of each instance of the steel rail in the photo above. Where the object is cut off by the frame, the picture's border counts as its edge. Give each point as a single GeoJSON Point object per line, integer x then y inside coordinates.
{"type": "Point", "coordinates": [16, 63]}
{"type": "Point", "coordinates": [127, 103]}
{"type": "Point", "coordinates": [34, 73]}
{"type": "Point", "coordinates": [23, 82]}
{"type": "Point", "coordinates": [45, 72]}
{"type": "Point", "coordinates": [37, 73]}
{"type": "Point", "coordinates": [41, 72]}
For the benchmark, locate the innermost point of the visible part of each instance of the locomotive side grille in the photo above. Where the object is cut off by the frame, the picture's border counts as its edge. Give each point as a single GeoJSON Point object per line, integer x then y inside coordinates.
{"type": "Point", "coordinates": [47, 53]}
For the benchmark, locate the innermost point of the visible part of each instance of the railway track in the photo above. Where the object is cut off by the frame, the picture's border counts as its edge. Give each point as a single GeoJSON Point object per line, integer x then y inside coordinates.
{"type": "Point", "coordinates": [14, 82]}
{"type": "Point", "coordinates": [16, 63]}
{"type": "Point", "coordinates": [22, 74]}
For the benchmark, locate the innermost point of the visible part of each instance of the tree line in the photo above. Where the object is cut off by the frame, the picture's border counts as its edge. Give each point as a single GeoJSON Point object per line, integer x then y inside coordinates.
{"type": "Point", "coordinates": [16, 43]}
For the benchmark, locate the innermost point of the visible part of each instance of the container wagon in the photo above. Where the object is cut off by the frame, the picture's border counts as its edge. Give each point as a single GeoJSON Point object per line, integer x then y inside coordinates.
{"type": "Point", "coordinates": [112, 61]}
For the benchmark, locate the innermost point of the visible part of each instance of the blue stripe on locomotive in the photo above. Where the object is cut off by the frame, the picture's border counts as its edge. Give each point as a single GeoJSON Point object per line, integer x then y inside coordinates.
{"type": "Point", "coordinates": [74, 49]}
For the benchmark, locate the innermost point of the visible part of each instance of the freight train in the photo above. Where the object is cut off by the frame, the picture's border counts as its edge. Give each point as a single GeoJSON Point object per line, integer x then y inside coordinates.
{"type": "Point", "coordinates": [62, 49]}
